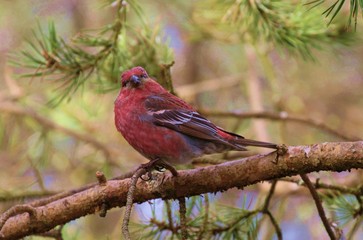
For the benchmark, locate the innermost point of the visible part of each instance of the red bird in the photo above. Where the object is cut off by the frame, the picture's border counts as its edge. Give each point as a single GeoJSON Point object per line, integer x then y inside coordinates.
{"type": "Point", "coordinates": [163, 127]}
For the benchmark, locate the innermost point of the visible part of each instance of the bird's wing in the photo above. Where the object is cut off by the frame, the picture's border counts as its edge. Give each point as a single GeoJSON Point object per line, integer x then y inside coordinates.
{"type": "Point", "coordinates": [174, 113]}
{"type": "Point", "coordinates": [171, 112]}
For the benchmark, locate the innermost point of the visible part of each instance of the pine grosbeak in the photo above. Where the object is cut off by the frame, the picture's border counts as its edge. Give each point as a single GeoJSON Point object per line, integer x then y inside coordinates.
{"type": "Point", "coordinates": [162, 126]}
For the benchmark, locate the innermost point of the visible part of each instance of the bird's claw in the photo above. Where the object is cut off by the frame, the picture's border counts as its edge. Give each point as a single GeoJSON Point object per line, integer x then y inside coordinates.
{"type": "Point", "coordinates": [157, 165]}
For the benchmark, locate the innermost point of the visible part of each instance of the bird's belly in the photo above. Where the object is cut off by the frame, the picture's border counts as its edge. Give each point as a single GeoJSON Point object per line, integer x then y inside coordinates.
{"type": "Point", "coordinates": [158, 142]}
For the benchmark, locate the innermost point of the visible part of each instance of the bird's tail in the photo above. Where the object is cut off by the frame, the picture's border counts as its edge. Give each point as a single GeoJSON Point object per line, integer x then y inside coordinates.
{"type": "Point", "coordinates": [240, 143]}
{"type": "Point", "coordinates": [250, 142]}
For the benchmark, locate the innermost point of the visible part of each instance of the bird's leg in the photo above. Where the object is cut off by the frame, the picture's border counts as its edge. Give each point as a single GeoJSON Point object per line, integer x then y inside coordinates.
{"type": "Point", "coordinates": [167, 166]}
{"type": "Point", "coordinates": [158, 165]}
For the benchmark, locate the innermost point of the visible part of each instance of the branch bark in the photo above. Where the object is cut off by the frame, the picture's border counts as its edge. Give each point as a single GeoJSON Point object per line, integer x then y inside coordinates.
{"type": "Point", "coordinates": [240, 173]}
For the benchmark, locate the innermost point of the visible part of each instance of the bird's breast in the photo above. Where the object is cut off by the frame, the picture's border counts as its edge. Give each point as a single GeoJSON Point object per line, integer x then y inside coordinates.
{"type": "Point", "coordinates": [134, 122]}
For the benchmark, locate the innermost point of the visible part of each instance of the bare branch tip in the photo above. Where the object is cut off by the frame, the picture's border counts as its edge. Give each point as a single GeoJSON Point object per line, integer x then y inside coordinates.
{"type": "Point", "coordinates": [101, 178]}
{"type": "Point", "coordinates": [281, 150]}
{"type": "Point", "coordinates": [103, 211]}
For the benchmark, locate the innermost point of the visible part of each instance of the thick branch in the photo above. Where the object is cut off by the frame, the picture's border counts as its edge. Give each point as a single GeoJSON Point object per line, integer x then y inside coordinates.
{"type": "Point", "coordinates": [240, 173]}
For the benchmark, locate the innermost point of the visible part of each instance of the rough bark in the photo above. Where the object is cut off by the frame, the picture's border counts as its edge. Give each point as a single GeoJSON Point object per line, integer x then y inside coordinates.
{"type": "Point", "coordinates": [240, 173]}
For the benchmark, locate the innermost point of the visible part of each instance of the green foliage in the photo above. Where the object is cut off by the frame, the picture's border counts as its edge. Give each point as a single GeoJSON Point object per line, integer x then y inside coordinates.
{"type": "Point", "coordinates": [220, 222]}
{"type": "Point", "coordinates": [98, 58]}
{"type": "Point", "coordinates": [344, 207]}
{"type": "Point", "coordinates": [285, 24]}
{"type": "Point", "coordinates": [235, 223]}
{"type": "Point", "coordinates": [336, 7]}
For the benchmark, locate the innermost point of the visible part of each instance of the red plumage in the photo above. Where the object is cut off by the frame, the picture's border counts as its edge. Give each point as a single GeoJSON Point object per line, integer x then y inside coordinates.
{"type": "Point", "coordinates": [162, 126]}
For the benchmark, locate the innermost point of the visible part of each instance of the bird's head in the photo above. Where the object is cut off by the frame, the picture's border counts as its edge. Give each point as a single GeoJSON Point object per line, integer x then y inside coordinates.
{"type": "Point", "coordinates": [134, 78]}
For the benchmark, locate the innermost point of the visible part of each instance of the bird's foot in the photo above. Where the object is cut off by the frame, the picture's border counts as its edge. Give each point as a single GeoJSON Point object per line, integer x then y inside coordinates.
{"type": "Point", "coordinates": [158, 165]}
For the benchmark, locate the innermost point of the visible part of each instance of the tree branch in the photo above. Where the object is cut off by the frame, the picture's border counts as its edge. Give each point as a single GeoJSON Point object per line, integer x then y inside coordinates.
{"type": "Point", "coordinates": [7, 107]}
{"type": "Point", "coordinates": [283, 116]}
{"type": "Point", "coordinates": [240, 173]}
{"type": "Point", "coordinates": [319, 206]}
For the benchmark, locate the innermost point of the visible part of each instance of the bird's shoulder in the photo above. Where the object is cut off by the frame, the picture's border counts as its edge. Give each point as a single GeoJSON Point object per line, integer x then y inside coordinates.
{"type": "Point", "coordinates": [166, 101]}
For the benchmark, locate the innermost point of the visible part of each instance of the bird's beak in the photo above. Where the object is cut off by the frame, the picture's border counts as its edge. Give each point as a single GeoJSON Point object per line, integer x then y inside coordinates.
{"type": "Point", "coordinates": [135, 81]}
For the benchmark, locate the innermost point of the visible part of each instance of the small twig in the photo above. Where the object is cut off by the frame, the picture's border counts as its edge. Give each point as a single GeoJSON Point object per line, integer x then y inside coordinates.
{"type": "Point", "coordinates": [269, 196]}
{"type": "Point", "coordinates": [282, 116]}
{"type": "Point", "coordinates": [359, 212]}
{"type": "Point", "coordinates": [165, 79]}
{"type": "Point", "coordinates": [37, 174]}
{"type": "Point", "coordinates": [8, 197]}
{"type": "Point", "coordinates": [47, 123]}
{"type": "Point", "coordinates": [101, 178]}
{"type": "Point", "coordinates": [18, 209]}
{"type": "Point", "coordinates": [205, 218]}
{"type": "Point", "coordinates": [103, 210]}
{"type": "Point", "coordinates": [355, 228]}
{"type": "Point", "coordinates": [169, 213]}
{"type": "Point", "coordinates": [319, 185]}
{"type": "Point", "coordinates": [55, 233]}
{"type": "Point", "coordinates": [275, 224]}
{"type": "Point", "coordinates": [246, 215]}
{"type": "Point", "coordinates": [183, 219]}
{"type": "Point", "coordinates": [319, 206]}
{"type": "Point", "coordinates": [266, 211]}
{"type": "Point", "coordinates": [164, 226]}
{"type": "Point", "coordinates": [102, 181]}
{"type": "Point", "coordinates": [129, 201]}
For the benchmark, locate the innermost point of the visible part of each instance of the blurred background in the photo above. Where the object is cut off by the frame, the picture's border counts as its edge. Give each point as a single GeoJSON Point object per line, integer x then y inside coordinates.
{"type": "Point", "coordinates": [226, 60]}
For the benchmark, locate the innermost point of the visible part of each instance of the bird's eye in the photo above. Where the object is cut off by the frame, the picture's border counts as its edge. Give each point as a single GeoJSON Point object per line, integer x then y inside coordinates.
{"type": "Point", "coordinates": [143, 75]}
{"type": "Point", "coordinates": [126, 84]}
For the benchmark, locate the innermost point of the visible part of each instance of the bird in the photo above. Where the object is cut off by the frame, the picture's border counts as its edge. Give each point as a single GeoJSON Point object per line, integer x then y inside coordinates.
{"type": "Point", "coordinates": [163, 127]}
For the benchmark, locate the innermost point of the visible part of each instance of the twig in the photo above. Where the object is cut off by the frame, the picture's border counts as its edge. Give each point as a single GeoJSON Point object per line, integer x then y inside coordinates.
{"type": "Point", "coordinates": [55, 233]}
{"type": "Point", "coordinates": [169, 214]}
{"type": "Point", "coordinates": [319, 206]}
{"type": "Point", "coordinates": [8, 197]}
{"type": "Point", "coordinates": [37, 174]}
{"type": "Point", "coordinates": [14, 211]}
{"type": "Point", "coordinates": [266, 211]}
{"type": "Point", "coordinates": [102, 181]}
{"type": "Point", "coordinates": [101, 178]}
{"type": "Point", "coordinates": [129, 202]}
{"type": "Point", "coordinates": [164, 226]}
{"type": "Point", "coordinates": [275, 224]}
{"type": "Point", "coordinates": [269, 196]}
{"type": "Point", "coordinates": [248, 214]}
{"type": "Point", "coordinates": [183, 219]}
{"type": "Point", "coordinates": [205, 218]}
{"type": "Point", "coordinates": [45, 122]}
{"type": "Point", "coordinates": [355, 228]}
{"type": "Point", "coordinates": [320, 185]}
{"type": "Point", "coordinates": [282, 116]}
